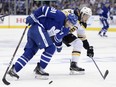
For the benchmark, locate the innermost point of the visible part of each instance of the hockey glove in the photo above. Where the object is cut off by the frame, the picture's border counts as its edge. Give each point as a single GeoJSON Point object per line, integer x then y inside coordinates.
{"type": "Point", "coordinates": [59, 48]}
{"type": "Point", "coordinates": [29, 20]}
{"type": "Point", "coordinates": [58, 44]}
{"type": "Point", "coordinates": [111, 17]}
{"type": "Point", "coordinates": [90, 51]}
{"type": "Point", "coordinates": [63, 32]}
{"type": "Point", "coordinates": [58, 38]}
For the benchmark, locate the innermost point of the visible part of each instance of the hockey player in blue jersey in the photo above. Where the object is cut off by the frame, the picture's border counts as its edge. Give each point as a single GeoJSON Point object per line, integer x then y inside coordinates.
{"type": "Point", "coordinates": [104, 14]}
{"type": "Point", "coordinates": [43, 20]}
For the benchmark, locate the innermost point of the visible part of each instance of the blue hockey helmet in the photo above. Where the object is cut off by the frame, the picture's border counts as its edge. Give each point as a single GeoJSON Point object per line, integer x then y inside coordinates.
{"type": "Point", "coordinates": [72, 18]}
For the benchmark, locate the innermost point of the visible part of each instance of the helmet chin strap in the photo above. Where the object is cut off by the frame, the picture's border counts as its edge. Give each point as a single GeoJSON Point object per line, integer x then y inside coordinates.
{"type": "Point", "coordinates": [82, 14]}
{"type": "Point", "coordinates": [82, 19]}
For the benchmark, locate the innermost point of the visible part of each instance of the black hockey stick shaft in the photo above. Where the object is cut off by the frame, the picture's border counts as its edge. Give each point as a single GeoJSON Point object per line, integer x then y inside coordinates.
{"type": "Point", "coordinates": [4, 15]}
{"type": "Point", "coordinates": [4, 77]}
{"type": "Point", "coordinates": [106, 72]}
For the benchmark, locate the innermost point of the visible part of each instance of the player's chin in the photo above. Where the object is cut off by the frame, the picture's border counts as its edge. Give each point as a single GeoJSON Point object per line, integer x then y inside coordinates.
{"type": "Point", "coordinates": [85, 21]}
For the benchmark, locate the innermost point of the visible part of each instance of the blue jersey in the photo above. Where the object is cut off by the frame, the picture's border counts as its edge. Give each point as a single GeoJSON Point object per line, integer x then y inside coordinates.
{"type": "Point", "coordinates": [104, 14]}
{"type": "Point", "coordinates": [48, 17]}
{"type": "Point", "coordinates": [105, 11]}
{"type": "Point", "coordinates": [44, 19]}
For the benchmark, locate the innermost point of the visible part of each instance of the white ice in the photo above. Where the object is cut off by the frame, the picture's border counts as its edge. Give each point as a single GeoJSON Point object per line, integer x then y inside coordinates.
{"type": "Point", "coordinates": [105, 57]}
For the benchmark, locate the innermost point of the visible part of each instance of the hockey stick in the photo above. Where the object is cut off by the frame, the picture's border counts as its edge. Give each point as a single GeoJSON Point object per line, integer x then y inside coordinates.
{"type": "Point", "coordinates": [106, 72]}
{"type": "Point", "coordinates": [4, 15]}
{"type": "Point", "coordinates": [4, 77]}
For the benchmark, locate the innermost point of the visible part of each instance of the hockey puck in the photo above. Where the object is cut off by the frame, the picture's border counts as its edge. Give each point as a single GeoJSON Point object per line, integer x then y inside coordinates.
{"type": "Point", "coordinates": [50, 82]}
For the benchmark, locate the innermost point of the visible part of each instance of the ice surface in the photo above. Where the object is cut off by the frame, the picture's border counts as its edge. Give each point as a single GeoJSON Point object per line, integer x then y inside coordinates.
{"type": "Point", "coordinates": [105, 57]}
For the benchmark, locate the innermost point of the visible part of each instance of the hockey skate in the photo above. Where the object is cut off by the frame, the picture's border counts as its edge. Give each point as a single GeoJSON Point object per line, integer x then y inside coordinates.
{"type": "Point", "coordinates": [104, 35]}
{"type": "Point", "coordinates": [12, 73]}
{"type": "Point", "coordinates": [40, 74]}
{"type": "Point", "coordinates": [75, 70]}
{"type": "Point", "coordinates": [100, 34]}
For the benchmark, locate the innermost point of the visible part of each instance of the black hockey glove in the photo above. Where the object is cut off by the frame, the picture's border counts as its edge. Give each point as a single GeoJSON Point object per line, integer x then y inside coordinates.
{"type": "Point", "coordinates": [111, 17]}
{"type": "Point", "coordinates": [90, 51]}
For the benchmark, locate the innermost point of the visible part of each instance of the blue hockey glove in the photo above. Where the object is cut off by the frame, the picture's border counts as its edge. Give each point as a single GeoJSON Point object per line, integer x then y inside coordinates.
{"type": "Point", "coordinates": [72, 18]}
{"type": "Point", "coordinates": [90, 51]}
{"type": "Point", "coordinates": [59, 48]}
{"type": "Point", "coordinates": [29, 20]}
{"type": "Point", "coordinates": [58, 38]}
{"type": "Point", "coordinates": [58, 44]}
{"type": "Point", "coordinates": [63, 32]}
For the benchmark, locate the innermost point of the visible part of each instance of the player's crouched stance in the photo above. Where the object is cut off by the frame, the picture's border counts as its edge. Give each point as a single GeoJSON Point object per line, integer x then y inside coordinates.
{"type": "Point", "coordinates": [42, 20]}
{"type": "Point", "coordinates": [69, 22]}
{"type": "Point", "coordinates": [79, 41]}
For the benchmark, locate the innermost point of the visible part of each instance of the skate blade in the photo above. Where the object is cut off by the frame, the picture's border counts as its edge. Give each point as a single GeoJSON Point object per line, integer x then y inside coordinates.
{"type": "Point", "coordinates": [104, 36]}
{"type": "Point", "coordinates": [11, 78]}
{"type": "Point", "coordinates": [41, 77]}
{"type": "Point", "coordinates": [100, 35]}
{"type": "Point", "coordinates": [77, 72]}
{"type": "Point", "coordinates": [17, 77]}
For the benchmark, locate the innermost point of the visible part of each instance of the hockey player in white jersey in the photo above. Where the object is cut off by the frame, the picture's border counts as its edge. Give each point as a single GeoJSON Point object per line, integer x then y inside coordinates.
{"type": "Point", "coordinates": [79, 41]}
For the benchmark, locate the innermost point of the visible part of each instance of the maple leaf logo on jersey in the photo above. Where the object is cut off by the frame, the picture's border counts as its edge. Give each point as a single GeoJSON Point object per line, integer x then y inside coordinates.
{"type": "Point", "coordinates": [61, 33]}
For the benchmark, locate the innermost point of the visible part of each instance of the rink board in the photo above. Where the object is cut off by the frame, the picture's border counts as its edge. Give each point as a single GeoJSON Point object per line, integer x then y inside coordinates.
{"type": "Point", "coordinates": [18, 22]}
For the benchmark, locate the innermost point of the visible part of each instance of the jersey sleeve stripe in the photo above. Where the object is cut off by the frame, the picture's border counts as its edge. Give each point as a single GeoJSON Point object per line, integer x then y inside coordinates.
{"type": "Point", "coordinates": [43, 37]}
{"type": "Point", "coordinates": [46, 11]}
{"type": "Point", "coordinates": [33, 17]}
{"type": "Point", "coordinates": [43, 8]}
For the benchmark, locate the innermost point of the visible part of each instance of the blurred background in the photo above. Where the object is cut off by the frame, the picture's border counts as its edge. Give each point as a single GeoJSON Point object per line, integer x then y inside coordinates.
{"type": "Point", "coordinates": [25, 7]}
